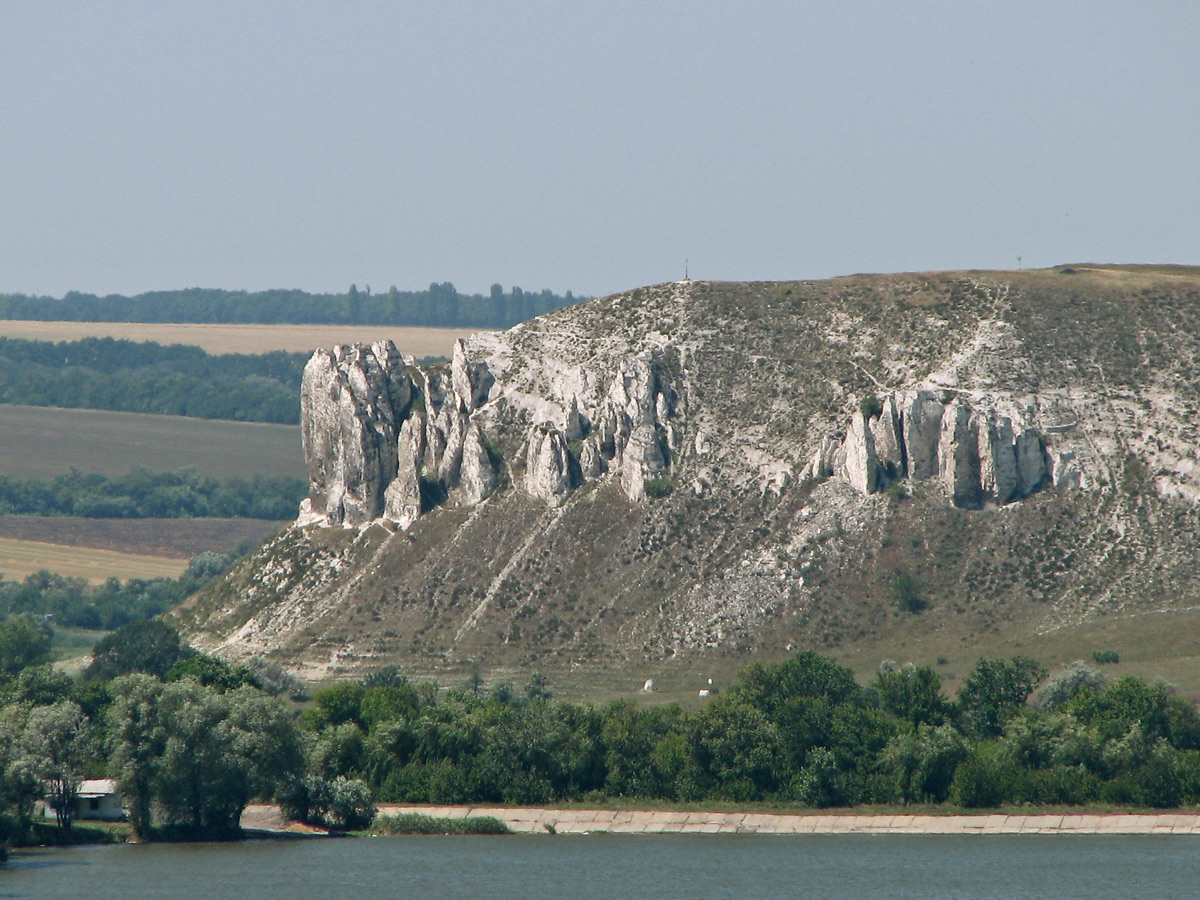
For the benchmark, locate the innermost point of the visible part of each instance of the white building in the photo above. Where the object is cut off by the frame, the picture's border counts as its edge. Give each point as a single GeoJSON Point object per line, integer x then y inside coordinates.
{"type": "Point", "coordinates": [97, 799]}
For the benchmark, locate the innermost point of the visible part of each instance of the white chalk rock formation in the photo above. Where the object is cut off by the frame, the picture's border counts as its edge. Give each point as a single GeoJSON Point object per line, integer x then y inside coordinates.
{"type": "Point", "coordinates": [998, 476]}
{"type": "Point", "coordinates": [548, 464]}
{"type": "Point", "coordinates": [352, 400]}
{"type": "Point", "coordinates": [977, 454]}
{"type": "Point", "coordinates": [592, 463]}
{"type": "Point", "coordinates": [889, 442]}
{"type": "Point", "coordinates": [958, 454]}
{"type": "Point", "coordinates": [402, 500]}
{"type": "Point", "coordinates": [384, 440]}
{"type": "Point", "coordinates": [472, 381]}
{"type": "Point", "coordinates": [477, 474]}
{"type": "Point", "coordinates": [859, 464]}
{"type": "Point", "coordinates": [825, 459]}
{"type": "Point", "coordinates": [642, 460]}
{"type": "Point", "coordinates": [922, 417]}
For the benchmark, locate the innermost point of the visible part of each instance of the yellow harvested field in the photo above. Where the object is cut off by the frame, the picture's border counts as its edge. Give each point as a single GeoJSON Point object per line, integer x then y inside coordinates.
{"type": "Point", "coordinates": [226, 338]}
{"type": "Point", "coordinates": [21, 558]}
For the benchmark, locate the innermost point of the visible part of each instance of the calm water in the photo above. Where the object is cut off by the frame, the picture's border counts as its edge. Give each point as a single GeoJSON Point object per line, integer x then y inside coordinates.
{"type": "Point", "coordinates": [612, 867]}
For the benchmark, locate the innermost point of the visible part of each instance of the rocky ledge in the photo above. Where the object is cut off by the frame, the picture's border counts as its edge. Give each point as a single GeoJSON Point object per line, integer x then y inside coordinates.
{"type": "Point", "coordinates": [979, 455]}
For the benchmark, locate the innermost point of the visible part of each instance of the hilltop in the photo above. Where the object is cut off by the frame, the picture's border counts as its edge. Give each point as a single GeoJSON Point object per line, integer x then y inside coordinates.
{"type": "Point", "coordinates": [674, 480]}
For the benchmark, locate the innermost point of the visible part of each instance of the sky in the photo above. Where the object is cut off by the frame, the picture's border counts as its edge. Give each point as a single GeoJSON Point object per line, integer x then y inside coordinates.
{"type": "Point", "coordinates": [587, 146]}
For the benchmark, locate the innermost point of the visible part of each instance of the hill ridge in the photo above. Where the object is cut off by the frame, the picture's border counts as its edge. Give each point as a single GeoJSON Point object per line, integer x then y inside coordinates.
{"type": "Point", "coordinates": [682, 432]}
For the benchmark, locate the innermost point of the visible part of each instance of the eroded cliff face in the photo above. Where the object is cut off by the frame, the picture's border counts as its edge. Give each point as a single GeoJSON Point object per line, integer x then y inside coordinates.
{"type": "Point", "coordinates": [978, 455]}
{"type": "Point", "coordinates": [702, 469]}
{"type": "Point", "coordinates": [386, 440]}
{"type": "Point", "coordinates": [352, 402]}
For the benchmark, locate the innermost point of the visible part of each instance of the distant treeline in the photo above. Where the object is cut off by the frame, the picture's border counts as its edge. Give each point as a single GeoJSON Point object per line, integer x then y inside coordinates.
{"type": "Point", "coordinates": [145, 377]}
{"type": "Point", "coordinates": [440, 306]}
{"type": "Point", "coordinates": [76, 604]}
{"type": "Point", "coordinates": [143, 494]}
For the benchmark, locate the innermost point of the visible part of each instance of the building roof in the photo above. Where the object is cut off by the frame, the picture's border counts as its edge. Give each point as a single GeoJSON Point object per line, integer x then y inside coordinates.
{"type": "Point", "coordinates": [97, 787]}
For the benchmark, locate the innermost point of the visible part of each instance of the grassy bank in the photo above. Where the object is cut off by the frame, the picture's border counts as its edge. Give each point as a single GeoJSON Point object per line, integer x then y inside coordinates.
{"type": "Point", "coordinates": [418, 823]}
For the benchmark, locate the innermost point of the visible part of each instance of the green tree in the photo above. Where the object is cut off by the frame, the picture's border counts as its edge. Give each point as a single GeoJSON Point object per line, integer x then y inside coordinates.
{"type": "Point", "coordinates": [55, 739]}
{"type": "Point", "coordinates": [1062, 686]}
{"type": "Point", "coordinates": [819, 782]}
{"type": "Point", "coordinates": [738, 751]}
{"type": "Point", "coordinates": [988, 777]}
{"type": "Point", "coordinates": [221, 751]}
{"type": "Point", "coordinates": [213, 672]}
{"type": "Point", "coordinates": [921, 763]}
{"type": "Point", "coordinates": [336, 704]}
{"type": "Point", "coordinates": [538, 688]}
{"type": "Point", "coordinates": [629, 736]}
{"type": "Point", "coordinates": [338, 750]}
{"type": "Point", "coordinates": [138, 720]}
{"type": "Point", "coordinates": [475, 678]}
{"type": "Point", "coordinates": [39, 686]}
{"type": "Point", "coordinates": [769, 686]}
{"type": "Point", "coordinates": [388, 703]}
{"type": "Point", "coordinates": [343, 804]}
{"type": "Point", "coordinates": [1126, 705]}
{"type": "Point", "coordinates": [22, 644]}
{"type": "Point", "coordinates": [912, 694]}
{"type": "Point", "coordinates": [152, 647]}
{"type": "Point", "coordinates": [20, 787]}
{"type": "Point", "coordinates": [995, 691]}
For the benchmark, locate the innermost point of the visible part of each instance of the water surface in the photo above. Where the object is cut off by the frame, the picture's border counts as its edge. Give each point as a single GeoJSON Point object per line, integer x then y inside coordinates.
{"type": "Point", "coordinates": [622, 867]}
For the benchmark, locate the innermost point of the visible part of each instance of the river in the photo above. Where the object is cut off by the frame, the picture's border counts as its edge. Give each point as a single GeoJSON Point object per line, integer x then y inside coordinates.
{"type": "Point", "coordinates": [617, 867]}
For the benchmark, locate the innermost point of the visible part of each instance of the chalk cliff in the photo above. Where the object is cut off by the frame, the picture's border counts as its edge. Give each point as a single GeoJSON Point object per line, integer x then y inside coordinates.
{"type": "Point", "coordinates": [700, 471]}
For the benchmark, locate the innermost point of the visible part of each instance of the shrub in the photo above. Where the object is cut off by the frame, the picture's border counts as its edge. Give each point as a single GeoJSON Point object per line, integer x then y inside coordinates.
{"type": "Point", "coordinates": [343, 804]}
{"type": "Point", "coordinates": [870, 406]}
{"type": "Point", "coordinates": [419, 823]}
{"type": "Point", "coordinates": [1105, 656]}
{"type": "Point", "coordinates": [986, 778]}
{"type": "Point", "coordinates": [657, 488]}
{"type": "Point", "coordinates": [907, 592]}
{"type": "Point", "coordinates": [1062, 686]}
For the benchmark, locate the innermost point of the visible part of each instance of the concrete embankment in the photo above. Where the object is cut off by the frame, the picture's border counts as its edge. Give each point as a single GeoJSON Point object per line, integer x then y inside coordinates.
{"type": "Point", "coordinates": [582, 821]}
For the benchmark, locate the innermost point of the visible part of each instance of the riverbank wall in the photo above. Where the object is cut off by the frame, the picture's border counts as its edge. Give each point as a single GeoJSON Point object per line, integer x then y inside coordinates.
{"type": "Point", "coordinates": [587, 821]}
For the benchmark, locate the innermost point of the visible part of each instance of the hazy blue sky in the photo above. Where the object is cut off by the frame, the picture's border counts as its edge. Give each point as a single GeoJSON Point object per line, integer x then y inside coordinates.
{"type": "Point", "coordinates": [587, 146]}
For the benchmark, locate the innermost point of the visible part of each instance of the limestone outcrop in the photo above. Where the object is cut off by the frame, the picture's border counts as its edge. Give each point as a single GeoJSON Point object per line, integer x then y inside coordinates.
{"type": "Point", "coordinates": [402, 498]}
{"type": "Point", "coordinates": [352, 401]}
{"type": "Point", "coordinates": [857, 462]}
{"type": "Point", "coordinates": [477, 473]}
{"type": "Point", "coordinates": [375, 427]}
{"type": "Point", "coordinates": [977, 455]}
{"type": "Point", "coordinates": [386, 439]}
{"type": "Point", "coordinates": [642, 459]}
{"type": "Point", "coordinates": [548, 464]}
{"type": "Point", "coordinates": [471, 380]}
